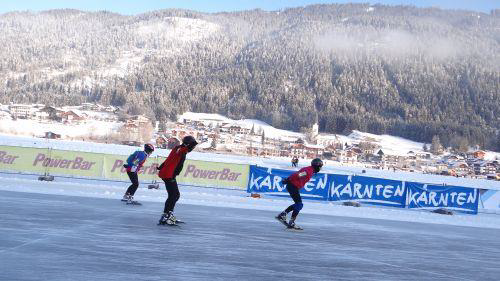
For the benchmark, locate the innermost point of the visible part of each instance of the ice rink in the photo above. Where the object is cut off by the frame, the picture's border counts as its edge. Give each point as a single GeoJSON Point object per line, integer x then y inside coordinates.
{"type": "Point", "coordinates": [58, 237]}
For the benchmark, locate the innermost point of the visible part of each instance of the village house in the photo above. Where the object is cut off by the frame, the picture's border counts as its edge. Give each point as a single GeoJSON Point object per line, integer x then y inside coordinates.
{"type": "Point", "coordinates": [22, 111]}
{"type": "Point", "coordinates": [86, 106]}
{"type": "Point", "coordinates": [72, 116]}
{"type": "Point", "coordinates": [41, 115]}
{"type": "Point", "coordinates": [411, 155]}
{"type": "Point", "coordinates": [459, 168]}
{"type": "Point", "coordinates": [138, 120]}
{"type": "Point", "coordinates": [479, 154]}
{"type": "Point", "coordinates": [367, 148]}
{"type": "Point", "coordinates": [264, 151]}
{"type": "Point", "coordinates": [161, 142]}
{"type": "Point", "coordinates": [110, 108]}
{"type": "Point", "coordinates": [172, 142]}
{"type": "Point", "coordinates": [229, 145]}
{"type": "Point", "coordinates": [484, 168]}
{"type": "Point", "coordinates": [440, 167]}
{"type": "Point", "coordinates": [326, 140]}
{"type": "Point", "coordinates": [49, 113]}
{"type": "Point", "coordinates": [380, 157]}
{"type": "Point", "coordinates": [392, 161]}
{"type": "Point", "coordinates": [52, 135]}
{"type": "Point", "coordinates": [303, 150]}
{"type": "Point", "coordinates": [131, 127]}
{"type": "Point", "coordinates": [344, 156]}
{"type": "Point", "coordinates": [424, 155]}
{"type": "Point", "coordinates": [236, 129]}
{"type": "Point", "coordinates": [97, 107]}
{"type": "Point", "coordinates": [206, 118]}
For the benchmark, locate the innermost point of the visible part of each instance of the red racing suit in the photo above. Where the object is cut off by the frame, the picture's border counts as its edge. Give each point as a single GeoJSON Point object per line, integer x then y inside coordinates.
{"type": "Point", "coordinates": [301, 177]}
{"type": "Point", "coordinates": [172, 166]}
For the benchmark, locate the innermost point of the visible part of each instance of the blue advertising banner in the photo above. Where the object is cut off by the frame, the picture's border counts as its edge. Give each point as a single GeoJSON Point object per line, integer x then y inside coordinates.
{"type": "Point", "coordinates": [369, 190]}
{"type": "Point", "coordinates": [456, 198]}
{"type": "Point", "coordinates": [263, 179]}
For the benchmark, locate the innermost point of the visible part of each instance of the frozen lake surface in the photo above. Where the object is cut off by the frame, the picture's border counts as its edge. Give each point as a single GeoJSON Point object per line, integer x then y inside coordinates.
{"type": "Point", "coordinates": [61, 237]}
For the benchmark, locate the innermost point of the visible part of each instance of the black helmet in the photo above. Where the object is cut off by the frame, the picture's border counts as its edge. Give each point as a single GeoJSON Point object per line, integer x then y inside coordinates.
{"type": "Point", "coordinates": [189, 142]}
{"type": "Point", "coordinates": [316, 163]}
{"type": "Point", "coordinates": [149, 148]}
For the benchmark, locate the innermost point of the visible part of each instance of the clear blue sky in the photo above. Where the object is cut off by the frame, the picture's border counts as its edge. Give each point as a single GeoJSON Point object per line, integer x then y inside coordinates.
{"type": "Point", "coordinates": [131, 7]}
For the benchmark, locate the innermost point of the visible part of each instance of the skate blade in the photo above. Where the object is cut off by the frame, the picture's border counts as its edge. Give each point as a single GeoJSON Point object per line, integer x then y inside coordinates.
{"type": "Point", "coordinates": [294, 228]}
{"type": "Point", "coordinates": [134, 203]}
{"type": "Point", "coordinates": [166, 224]}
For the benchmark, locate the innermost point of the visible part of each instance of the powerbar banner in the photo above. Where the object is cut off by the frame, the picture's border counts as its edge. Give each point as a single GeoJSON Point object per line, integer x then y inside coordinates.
{"type": "Point", "coordinates": [369, 190]}
{"type": "Point", "coordinates": [107, 166]}
{"type": "Point", "coordinates": [20, 159]}
{"type": "Point", "coordinates": [46, 160]}
{"type": "Point", "coordinates": [456, 198]}
{"type": "Point", "coordinates": [214, 174]}
{"type": "Point", "coordinates": [263, 179]}
{"type": "Point", "coordinates": [202, 173]}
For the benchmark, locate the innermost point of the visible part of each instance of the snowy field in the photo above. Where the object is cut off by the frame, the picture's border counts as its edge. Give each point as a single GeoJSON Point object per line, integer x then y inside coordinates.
{"type": "Point", "coordinates": [79, 230]}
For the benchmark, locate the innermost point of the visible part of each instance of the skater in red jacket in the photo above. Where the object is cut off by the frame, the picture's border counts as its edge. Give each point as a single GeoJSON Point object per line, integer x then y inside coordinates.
{"type": "Point", "coordinates": [169, 169]}
{"type": "Point", "coordinates": [294, 183]}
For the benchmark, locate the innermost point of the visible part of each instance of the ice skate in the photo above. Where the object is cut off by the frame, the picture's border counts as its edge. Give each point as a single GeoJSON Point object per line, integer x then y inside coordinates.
{"type": "Point", "coordinates": [125, 197]}
{"type": "Point", "coordinates": [282, 218]}
{"type": "Point", "coordinates": [167, 219]}
{"type": "Point", "coordinates": [292, 225]}
{"type": "Point", "coordinates": [130, 200]}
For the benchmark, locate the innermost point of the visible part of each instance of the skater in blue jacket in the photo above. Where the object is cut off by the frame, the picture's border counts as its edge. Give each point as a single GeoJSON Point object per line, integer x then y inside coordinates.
{"type": "Point", "coordinates": [133, 165]}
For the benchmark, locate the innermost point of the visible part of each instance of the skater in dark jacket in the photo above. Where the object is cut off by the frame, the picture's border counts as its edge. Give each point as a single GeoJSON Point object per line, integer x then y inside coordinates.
{"type": "Point", "coordinates": [294, 183]}
{"type": "Point", "coordinates": [133, 165]}
{"type": "Point", "coordinates": [169, 169]}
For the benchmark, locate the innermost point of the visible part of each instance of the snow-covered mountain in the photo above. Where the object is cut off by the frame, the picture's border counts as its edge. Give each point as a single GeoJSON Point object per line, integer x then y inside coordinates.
{"type": "Point", "coordinates": [406, 71]}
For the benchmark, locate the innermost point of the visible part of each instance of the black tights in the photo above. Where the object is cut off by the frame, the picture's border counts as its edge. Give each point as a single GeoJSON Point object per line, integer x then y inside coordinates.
{"type": "Point", "coordinates": [135, 183]}
{"type": "Point", "coordinates": [295, 194]}
{"type": "Point", "coordinates": [173, 194]}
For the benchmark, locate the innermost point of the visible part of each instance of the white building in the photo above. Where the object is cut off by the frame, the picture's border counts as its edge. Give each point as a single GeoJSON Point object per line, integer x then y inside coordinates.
{"type": "Point", "coordinates": [205, 118]}
{"type": "Point", "coordinates": [328, 140]}
{"type": "Point", "coordinates": [20, 110]}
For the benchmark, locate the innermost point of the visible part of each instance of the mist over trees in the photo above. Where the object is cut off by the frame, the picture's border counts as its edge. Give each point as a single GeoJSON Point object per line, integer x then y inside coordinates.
{"type": "Point", "coordinates": [405, 71]}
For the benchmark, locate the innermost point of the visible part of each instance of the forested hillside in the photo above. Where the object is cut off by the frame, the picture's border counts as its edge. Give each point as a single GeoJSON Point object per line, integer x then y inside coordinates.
{"type": "Point", "coordinates": [402, 70]}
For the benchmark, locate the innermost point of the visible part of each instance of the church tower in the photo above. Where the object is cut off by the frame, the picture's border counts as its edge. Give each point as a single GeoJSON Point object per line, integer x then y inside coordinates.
{"type": "Point", "coordinates": [315, 129]}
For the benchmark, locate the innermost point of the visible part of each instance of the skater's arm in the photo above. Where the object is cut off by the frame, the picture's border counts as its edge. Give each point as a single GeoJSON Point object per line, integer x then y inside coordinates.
{"type": "Point", "coordinates": [161, 166]}
{"type": "Point", "coordinates": [142, 157]}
